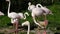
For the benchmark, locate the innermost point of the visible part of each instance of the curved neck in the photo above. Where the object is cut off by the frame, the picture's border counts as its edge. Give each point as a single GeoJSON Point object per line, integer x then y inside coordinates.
{"type": "Point", "coordinates": [28, 29]}
{"type": "Point", "coordinates": [28, 8]}
{"type": "Point", "coordinates": [39, 5]}
{"type": "Point", "coordinates": [24, 16]}
{"type": "Point", "coordinates": [26, 13]}
{"type": "Point", "coordinates": [9, 7]}
{"type": "Point", "coordinates": [36, 22]}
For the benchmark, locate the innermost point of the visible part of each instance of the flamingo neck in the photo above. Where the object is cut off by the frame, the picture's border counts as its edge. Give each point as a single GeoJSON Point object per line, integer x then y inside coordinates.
{"type": "Point", "coordinates": [28, 8]}
{"type": "Point", "coordinates": [24, 16]}
{"type": "Point", "coordinates": [33, 16]}
{"type": "Point", "coordinates": [28, 29]}
{"type": "Point", "coordinates": [37, 22]}
{"type": "Point", "coordinates": [9, 7]}
{"type": "Point", "coordinates": [39, 5]}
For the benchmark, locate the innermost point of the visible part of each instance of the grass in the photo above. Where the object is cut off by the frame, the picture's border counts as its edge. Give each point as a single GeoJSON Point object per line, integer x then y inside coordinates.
{"type": "Point", "coordinates": [54, 19]}
{"type": "Point", "coordinates": [4, 20]}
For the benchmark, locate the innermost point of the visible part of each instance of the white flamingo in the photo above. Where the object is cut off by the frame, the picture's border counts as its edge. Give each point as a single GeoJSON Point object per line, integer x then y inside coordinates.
{"type": "Point", "coordinates": [27, 23]}
{"type": "Point", "coordinates": [46, 10]}
{"type": "Point", "coordinates": [36, 12]}
{"type": "Point", "coordinates": [14, 16]}
{"type": "Point", "coordinates": [30, 7]}
{"type": "Point", "coordinates": [1, 13]}
{"type": "Point", "coordinates": [39, 11]}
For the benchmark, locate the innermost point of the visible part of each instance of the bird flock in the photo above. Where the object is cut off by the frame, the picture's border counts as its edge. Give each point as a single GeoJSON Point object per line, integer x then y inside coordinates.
{"type": "Point", "coordinates": [36, 11]}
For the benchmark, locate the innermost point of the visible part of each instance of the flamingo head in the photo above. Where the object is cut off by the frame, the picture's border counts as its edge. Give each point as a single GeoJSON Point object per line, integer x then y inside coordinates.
{"type": "Point", "coordinates": [29, 3]}
{"type": "Point", "coordinates": [38, 5]}
{"type": "Point", "coordinates": [25, 23]}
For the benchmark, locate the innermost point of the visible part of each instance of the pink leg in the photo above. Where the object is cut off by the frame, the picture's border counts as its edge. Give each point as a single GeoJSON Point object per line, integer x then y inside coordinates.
{"type": "Point", "coordinates": [44, 32]}
{"type": "Point", "coordinates": [38, 32]}
{"type": "Point", "coordinates": [13, 25]}
{"type": "Point", "coordinates": [16, 28]}
{"type": "Point", "coordinates": [46, 23]}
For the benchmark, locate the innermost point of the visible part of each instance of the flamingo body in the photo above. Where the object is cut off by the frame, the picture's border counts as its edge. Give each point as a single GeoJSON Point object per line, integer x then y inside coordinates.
{"type": "Point", "coordinates": [13, 15]}
{"type": "Point", "coordinates": [37, 11]}
{"type": "Point", "coordinates": [46, 10]}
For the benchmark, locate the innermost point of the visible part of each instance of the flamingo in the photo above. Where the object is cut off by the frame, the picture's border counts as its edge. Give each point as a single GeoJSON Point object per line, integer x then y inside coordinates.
{"type": "Point", "coordinates": [1, 13]}
{"type": "Point", "coordinates": [46, 10]}
{"type": "Point", "coordinates": [30, 7]}
{"type": "Point", "coordinates": [21, 16]}
{"type": "Point", "coordinates": [36, 12]}
{"type": "Point", "coordinates": [14, 16]}
{"type": "Point", "coordinates": [27, 23]}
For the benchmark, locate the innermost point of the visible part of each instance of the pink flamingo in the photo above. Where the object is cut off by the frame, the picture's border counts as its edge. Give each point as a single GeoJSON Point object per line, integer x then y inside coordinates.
{"type": "Point", "coordinates": [37, 11]}
{"type": "Point", "coordinates": [15, 16]}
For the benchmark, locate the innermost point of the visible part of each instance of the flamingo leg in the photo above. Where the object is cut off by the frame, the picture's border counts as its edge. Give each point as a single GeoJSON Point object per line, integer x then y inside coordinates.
{"type": "Point", "coordinates": [45, 31]}
{"type": "Point", "coordinates": [38, 30]}
{"type": "Point", "coordinates": [45, 27]}
{"type": "Point", "coordinates": [16, 32]}
{"type": "Point", "coordinates": [14, 27]}
{"type": "Point", "coordinates": [46, 23]}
